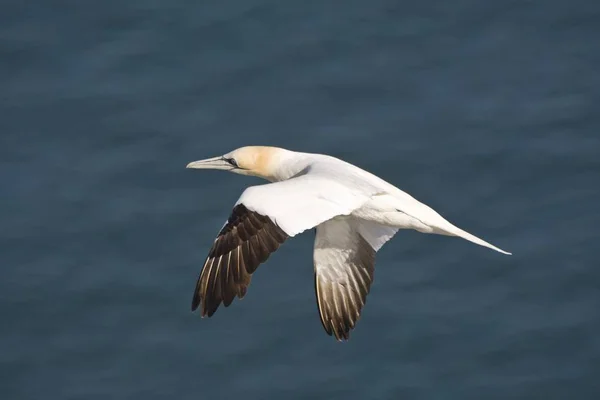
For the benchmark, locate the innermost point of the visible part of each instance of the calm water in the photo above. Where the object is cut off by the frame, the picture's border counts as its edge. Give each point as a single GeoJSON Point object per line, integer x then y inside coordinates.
{"type": "Point", "coordinates": [487, 111]}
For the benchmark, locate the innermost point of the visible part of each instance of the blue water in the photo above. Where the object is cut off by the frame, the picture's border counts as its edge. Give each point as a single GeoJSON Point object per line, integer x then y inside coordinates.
{"type": "Point", "coordinates": [486, 111]}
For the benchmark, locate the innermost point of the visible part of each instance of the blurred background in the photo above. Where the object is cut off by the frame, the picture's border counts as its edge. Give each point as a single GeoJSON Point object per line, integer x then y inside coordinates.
{"type": "Point", "coordinates": [486, 111]}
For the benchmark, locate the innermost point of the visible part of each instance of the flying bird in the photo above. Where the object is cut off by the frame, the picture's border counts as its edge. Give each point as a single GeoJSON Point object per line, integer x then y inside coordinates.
{"type": "Point", "coordinates": [354, 213]}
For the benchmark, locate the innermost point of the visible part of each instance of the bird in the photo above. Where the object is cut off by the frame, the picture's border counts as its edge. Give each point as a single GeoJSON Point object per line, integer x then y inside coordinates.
{"type": "Point", "coordinates": [353, 212]}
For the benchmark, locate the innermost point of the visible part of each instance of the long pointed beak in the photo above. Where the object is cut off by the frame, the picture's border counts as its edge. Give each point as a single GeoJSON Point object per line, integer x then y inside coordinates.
{"type": "Point", "coordinates": [210, 163]}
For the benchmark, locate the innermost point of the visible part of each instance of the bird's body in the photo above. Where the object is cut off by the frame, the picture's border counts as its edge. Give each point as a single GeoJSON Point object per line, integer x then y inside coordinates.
{"type": "Point", "coordinates": [354, 213]}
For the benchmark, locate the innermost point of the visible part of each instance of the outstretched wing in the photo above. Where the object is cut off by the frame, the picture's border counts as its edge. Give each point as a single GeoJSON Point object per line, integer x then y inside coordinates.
{"type": "Point", "coordinates": [261, 220]}
{"type": "Point", "coordinates": [246, 241]}
{"type": "Point", "coordinates": [344, 258]}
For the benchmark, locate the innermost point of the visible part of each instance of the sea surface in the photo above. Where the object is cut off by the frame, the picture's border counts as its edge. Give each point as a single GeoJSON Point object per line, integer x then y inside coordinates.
{"type": "Point", "coordinates": [489, 112]}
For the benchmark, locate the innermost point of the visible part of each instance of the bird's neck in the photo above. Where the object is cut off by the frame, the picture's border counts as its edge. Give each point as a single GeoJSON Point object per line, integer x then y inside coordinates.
{"type": "Point", "coordinates": [288, 165]}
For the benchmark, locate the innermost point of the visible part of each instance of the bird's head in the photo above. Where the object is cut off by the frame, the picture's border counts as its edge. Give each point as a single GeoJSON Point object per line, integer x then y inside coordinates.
{"type": "Point", "coordinates": [257, 161]}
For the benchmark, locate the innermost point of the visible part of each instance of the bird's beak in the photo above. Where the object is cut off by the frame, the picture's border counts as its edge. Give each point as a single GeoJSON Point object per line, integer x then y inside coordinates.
{"type": "Point", "coordinates": [210, 163]}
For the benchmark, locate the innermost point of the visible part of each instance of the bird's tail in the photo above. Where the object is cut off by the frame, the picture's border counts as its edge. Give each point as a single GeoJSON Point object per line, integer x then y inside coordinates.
{"type": "Point", "coordinates": [405, 212]}
{"type": "Point", "coordinates": [452, 230]}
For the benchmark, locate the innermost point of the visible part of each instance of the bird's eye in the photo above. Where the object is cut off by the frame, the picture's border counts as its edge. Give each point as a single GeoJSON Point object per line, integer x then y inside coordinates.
{"type": "Point", "coordinates": [232, 162]}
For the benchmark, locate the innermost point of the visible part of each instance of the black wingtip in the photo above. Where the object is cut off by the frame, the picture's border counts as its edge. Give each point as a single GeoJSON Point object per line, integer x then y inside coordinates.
{"type": "Point", "coordinates": [195, 301]}
{"type": "Point", "coordinates": [244, 242]}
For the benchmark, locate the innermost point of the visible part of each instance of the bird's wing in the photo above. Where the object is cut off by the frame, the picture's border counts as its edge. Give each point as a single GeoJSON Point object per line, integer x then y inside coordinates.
{"type": "Point", "coordinates": [304, 202]}
{"type": "Point", "coordinates": [261, 220]}
{"type": "Point", "coordinates": [344, 258]}
{"type": "Point", "coordinates": [376, 235]}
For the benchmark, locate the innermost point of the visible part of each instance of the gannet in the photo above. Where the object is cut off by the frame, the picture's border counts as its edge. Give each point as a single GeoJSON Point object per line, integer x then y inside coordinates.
{"type": "Point", "coordinates": [354, 213]}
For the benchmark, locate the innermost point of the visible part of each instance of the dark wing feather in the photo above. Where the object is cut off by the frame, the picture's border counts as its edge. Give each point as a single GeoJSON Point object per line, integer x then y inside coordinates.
{"type": "Point", "coordinates": [246, 241]}
{"type": "Point", "coordinates": [344, 268]}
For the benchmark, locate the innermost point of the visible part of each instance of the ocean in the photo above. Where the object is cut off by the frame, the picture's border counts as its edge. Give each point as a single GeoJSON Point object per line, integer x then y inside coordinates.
{"type": "Point", "coordinates": [486, 111]}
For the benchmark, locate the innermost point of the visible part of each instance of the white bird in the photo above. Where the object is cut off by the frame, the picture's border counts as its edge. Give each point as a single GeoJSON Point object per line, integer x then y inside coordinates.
{"type": "Point", "coordinates": [354, 213]}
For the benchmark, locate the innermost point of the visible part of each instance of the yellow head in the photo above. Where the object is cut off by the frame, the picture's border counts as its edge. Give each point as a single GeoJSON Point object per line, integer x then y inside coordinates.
{"type": "Point", "coordinates": [250, 160]}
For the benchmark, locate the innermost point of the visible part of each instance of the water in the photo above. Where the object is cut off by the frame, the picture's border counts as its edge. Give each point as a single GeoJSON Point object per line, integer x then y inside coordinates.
{"type": "Point", "coordinates": [486, 111]}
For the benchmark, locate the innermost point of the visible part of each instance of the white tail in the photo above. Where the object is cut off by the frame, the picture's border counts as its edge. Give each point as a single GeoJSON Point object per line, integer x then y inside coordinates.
{"type": "Point", "coordinates": [404, 212]}
{"type": "Point", "coordinates": [455, 231]}
{"type": "Point", "coordinates": [438, 224]}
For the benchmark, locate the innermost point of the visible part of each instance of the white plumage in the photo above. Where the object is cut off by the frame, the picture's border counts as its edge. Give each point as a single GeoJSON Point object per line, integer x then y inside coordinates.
{"type": "Point", "coordinates": [354, 213]}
